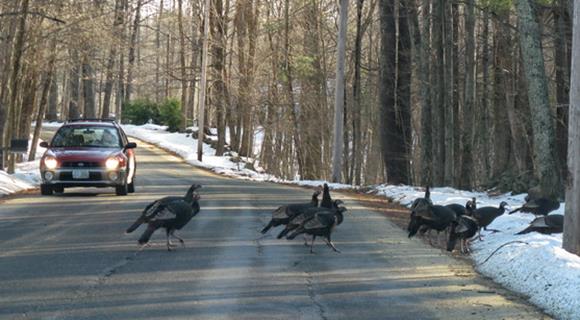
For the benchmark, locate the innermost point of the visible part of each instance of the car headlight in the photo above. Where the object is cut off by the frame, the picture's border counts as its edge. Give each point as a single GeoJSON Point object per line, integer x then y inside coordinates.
{"type": "Point", "coordinates": [112, 163]}
{"type": "Point", "coordinates": [50, 163]}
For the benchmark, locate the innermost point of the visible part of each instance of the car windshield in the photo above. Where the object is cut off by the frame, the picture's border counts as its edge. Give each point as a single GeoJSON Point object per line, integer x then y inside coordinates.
{"type": "Point", "coordinates": [99, 137]}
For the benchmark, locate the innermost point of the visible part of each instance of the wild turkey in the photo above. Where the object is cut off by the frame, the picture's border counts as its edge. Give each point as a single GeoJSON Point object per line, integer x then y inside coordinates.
{"type": "Point", "coordinates": [463, 229]}
{"type": "Point", "coordinates": [283, 214]}
{"type": "Point", "coordinates": [485, 216]}
{"type": "Point", "coordinates": [321, 224]}
{"type": "Point", "coordinates": [306, 215]}
{"type": "Point", "coordinates": [460, 210]}
{"type": "Point", "coordinates": [170, 213]}
{"type": "Point", "coordinates": [538, 207]}
{"type": "Point", "coordinates": [426, 200]}
{"type": "Point", "coordinates": [430, 217]}
{"type": "Point", "coordinates": [546, 225]}
{"type": "Point", "coordinates": [326, 199]}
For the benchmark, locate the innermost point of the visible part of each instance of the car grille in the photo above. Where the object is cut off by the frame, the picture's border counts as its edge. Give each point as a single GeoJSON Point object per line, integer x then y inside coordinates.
{"type": "Point", "coordinates": [93, 176]}
{"type": "Point", "coordinates": [80, 164]}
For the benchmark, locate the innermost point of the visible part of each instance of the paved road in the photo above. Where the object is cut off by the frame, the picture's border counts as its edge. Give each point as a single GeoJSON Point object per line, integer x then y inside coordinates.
{"type": "Point", "coordinates": [66, 257]}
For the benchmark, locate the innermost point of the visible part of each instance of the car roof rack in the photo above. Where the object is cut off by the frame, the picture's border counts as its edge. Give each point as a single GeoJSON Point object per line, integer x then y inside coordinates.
{"type": "Point", "coordinates": [112, 120]}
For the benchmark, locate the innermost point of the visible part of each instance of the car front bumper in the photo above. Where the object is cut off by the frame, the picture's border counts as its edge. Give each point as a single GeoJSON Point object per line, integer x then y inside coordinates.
{"type": "Point", "coordinates": [97, 177]}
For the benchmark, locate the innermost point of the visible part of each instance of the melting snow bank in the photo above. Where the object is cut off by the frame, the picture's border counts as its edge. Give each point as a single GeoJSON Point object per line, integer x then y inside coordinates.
{"type": "Point", "coordinates": [536, 267]}
{"type": "Point", "coordinates": [26, 177]}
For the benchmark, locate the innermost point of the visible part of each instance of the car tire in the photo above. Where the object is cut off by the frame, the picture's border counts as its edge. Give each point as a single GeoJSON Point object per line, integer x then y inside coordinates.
{"type": "Point", "coordinates": [122, 190]}
{"type": "Point", "coordinates": [131, 187]}
{"type": "Point", "coordinates": [45, 190]}
{"type": "Point", "coordinates": [58, 189]}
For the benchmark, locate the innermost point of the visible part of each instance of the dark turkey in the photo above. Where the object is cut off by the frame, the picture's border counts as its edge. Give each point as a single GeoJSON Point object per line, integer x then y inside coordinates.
{"type": "Point", "coordinates": [546, 225]}
{"type": "Point", "coordinates": [170, 213]}
{"type": "Point", "coordinates": [461, 210]}
{"type": "Point", "coordinates": [307, 214]}
{"type": "Point", "coordinates": [283, 214]}
{"type": "Point", "coordinates": [485, 216]}
{"type": "Point", "coordinates": [326, 199]}
{"type": "Point", "coordinates": [463, 229]}
{"type": "Point", "coordinates": [538, 207]}
{"type": "Point", "coordinates": [419, 202]}
{"type": "Point", "coordinates": [430, 217]}
{"type": "Point", "coordinates": [322, 224]}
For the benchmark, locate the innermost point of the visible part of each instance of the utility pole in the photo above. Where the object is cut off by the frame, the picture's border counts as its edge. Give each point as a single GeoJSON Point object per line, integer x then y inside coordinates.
{"type": "Point", "coordinates": [339, 94]}
{"type": "Point", "coordinates": [571, 238]}
{"type": "Point", "coordinates": [203, 82]}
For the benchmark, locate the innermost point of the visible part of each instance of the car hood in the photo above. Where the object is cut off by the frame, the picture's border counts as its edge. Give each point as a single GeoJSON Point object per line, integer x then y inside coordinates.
{"type": "Point", "coordinates": [83, 154]}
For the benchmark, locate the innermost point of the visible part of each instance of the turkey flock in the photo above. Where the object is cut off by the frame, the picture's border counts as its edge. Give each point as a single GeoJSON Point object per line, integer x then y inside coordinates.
{"type": "Point", "coordinates": [316, 218]}
{"type": "Point", "coordinates": [464, 223]}
{"type": "Point", "coordinates": [309, 218]}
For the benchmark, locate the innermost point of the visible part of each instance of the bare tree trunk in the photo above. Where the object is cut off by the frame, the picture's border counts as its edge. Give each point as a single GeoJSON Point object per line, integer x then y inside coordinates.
{"type": "Point", "coordinates": [297, 134]}
{"type": "Point", "coordinates": [438, 100]}
{"type": "Point", "coordinates": [538, 96]}
{"type": "Point", "coordinates": [389, 135]}
{"type": "Point", "coordinates": [88, 88]}
{"type": "Point", "coordinates": [403, 93]}
{"type": "Point", "coordinates": [14, 80]}
{"type": "Point", "coordinates": [426, 116]}
{"type": "Point", "coordinates": [469, 99]}
{"type": "Point", "coordinates": [106, 110]}
{"type": "Point", "coordinates": [158, 52]}
{"type": "Point", "coordinates": [48, 79]}
{"type": "Point", "coordinates": [74, 88]}
{"type": "Point", "coordinates": [203, 81]}
{"type": "Point", "coordinates": [357, 97]}
{"type": "Point", "coordinates": [217, 32]}
{"type": "Point", "coordinates": [339, 94]}
{"type": "Point", "coordinates": [571, 237]}
{"type": "Point", "coordinates": [562, 45]}
{"type": "Point", "coordinates": [52, 112]}
{"type": "Point", "coordinates": [132, 48]}
{"type": "Point", "coordinates": [182, 64]}
{"type": "Point", "coordinates": [448, 103]}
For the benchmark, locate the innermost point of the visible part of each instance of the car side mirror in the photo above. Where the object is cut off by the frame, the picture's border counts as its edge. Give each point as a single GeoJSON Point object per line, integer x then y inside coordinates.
{"type": "Point", "coordinates": [131, 145]}
{"type": "Point", "coordinates": [44, 144]}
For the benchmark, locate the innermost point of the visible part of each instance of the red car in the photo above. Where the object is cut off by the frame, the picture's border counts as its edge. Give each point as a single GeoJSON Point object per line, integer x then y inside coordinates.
{"type": "Point", "coordinates": [88, 153]}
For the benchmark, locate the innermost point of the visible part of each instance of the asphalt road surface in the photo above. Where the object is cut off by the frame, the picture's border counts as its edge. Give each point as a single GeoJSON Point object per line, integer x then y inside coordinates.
{"type": "Point", "coordinates": [67, 257]}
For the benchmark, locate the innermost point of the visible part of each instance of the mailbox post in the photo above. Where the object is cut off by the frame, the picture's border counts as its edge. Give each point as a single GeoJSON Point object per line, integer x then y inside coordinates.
{"type": "Point", "coordinates": [16, 146]}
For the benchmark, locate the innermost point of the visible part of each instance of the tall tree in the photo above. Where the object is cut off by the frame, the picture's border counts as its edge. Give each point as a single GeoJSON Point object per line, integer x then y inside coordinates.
{"type": "Point", "coordinates": [218, 59]}
{"type": "Point", "coordinates": [357, 98]}
{"type": "Point", "coordinates": [425, 96]}
{"type": "Point", "coordinates": [203, 81]}
{"type": "Point", "coordinates": [469, 98]}
{"type": "Point", "coordinates": [106, 110]}
{"type": "Point", "coordinates": [538, 97]}
{"type": "Point", "coordinates": [14, 80]}
{"type": "Point", "coordinates": [339, 93]}
{"type": "Point", "coordinates": [403, 93]}
{"type": "Point", "coordinates": [392, 138]}
{"type": "Point", "coordinates": [132, 49]}
{"type": "Point", "coordinates": [182, 65]}
{"type": "Point", "coordinates": [571, 238]}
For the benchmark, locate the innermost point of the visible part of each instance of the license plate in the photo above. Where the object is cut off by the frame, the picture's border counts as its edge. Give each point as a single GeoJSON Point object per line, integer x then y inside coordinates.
{"type": "Point", "coordinates": [80, 174]}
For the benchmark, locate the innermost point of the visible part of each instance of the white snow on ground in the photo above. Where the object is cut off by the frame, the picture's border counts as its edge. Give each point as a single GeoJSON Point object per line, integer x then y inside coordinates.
{"type": "Point", "coordinates": [540, 269]}
{"type": "Point", "coordinates": [27, 176]}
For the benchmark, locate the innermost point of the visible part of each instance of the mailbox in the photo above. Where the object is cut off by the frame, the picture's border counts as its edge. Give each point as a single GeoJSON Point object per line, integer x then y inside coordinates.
{"type": "Point", "coordinates": [19, 145]}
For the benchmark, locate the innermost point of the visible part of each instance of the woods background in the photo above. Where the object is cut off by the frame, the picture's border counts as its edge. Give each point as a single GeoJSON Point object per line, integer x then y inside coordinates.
{"type": "Point", "coordinates": [471, 94]}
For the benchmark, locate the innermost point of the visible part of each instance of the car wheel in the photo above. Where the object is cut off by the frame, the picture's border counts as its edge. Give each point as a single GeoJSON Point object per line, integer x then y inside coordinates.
{"type": "Point", "coordinates": [58, 189]}
{"type": "Point", "coordinates": [131, 187]}
{"type": "Point", "coordinates": [45, 190]}
{"type": "Point", "coordinates": [122, 189]}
